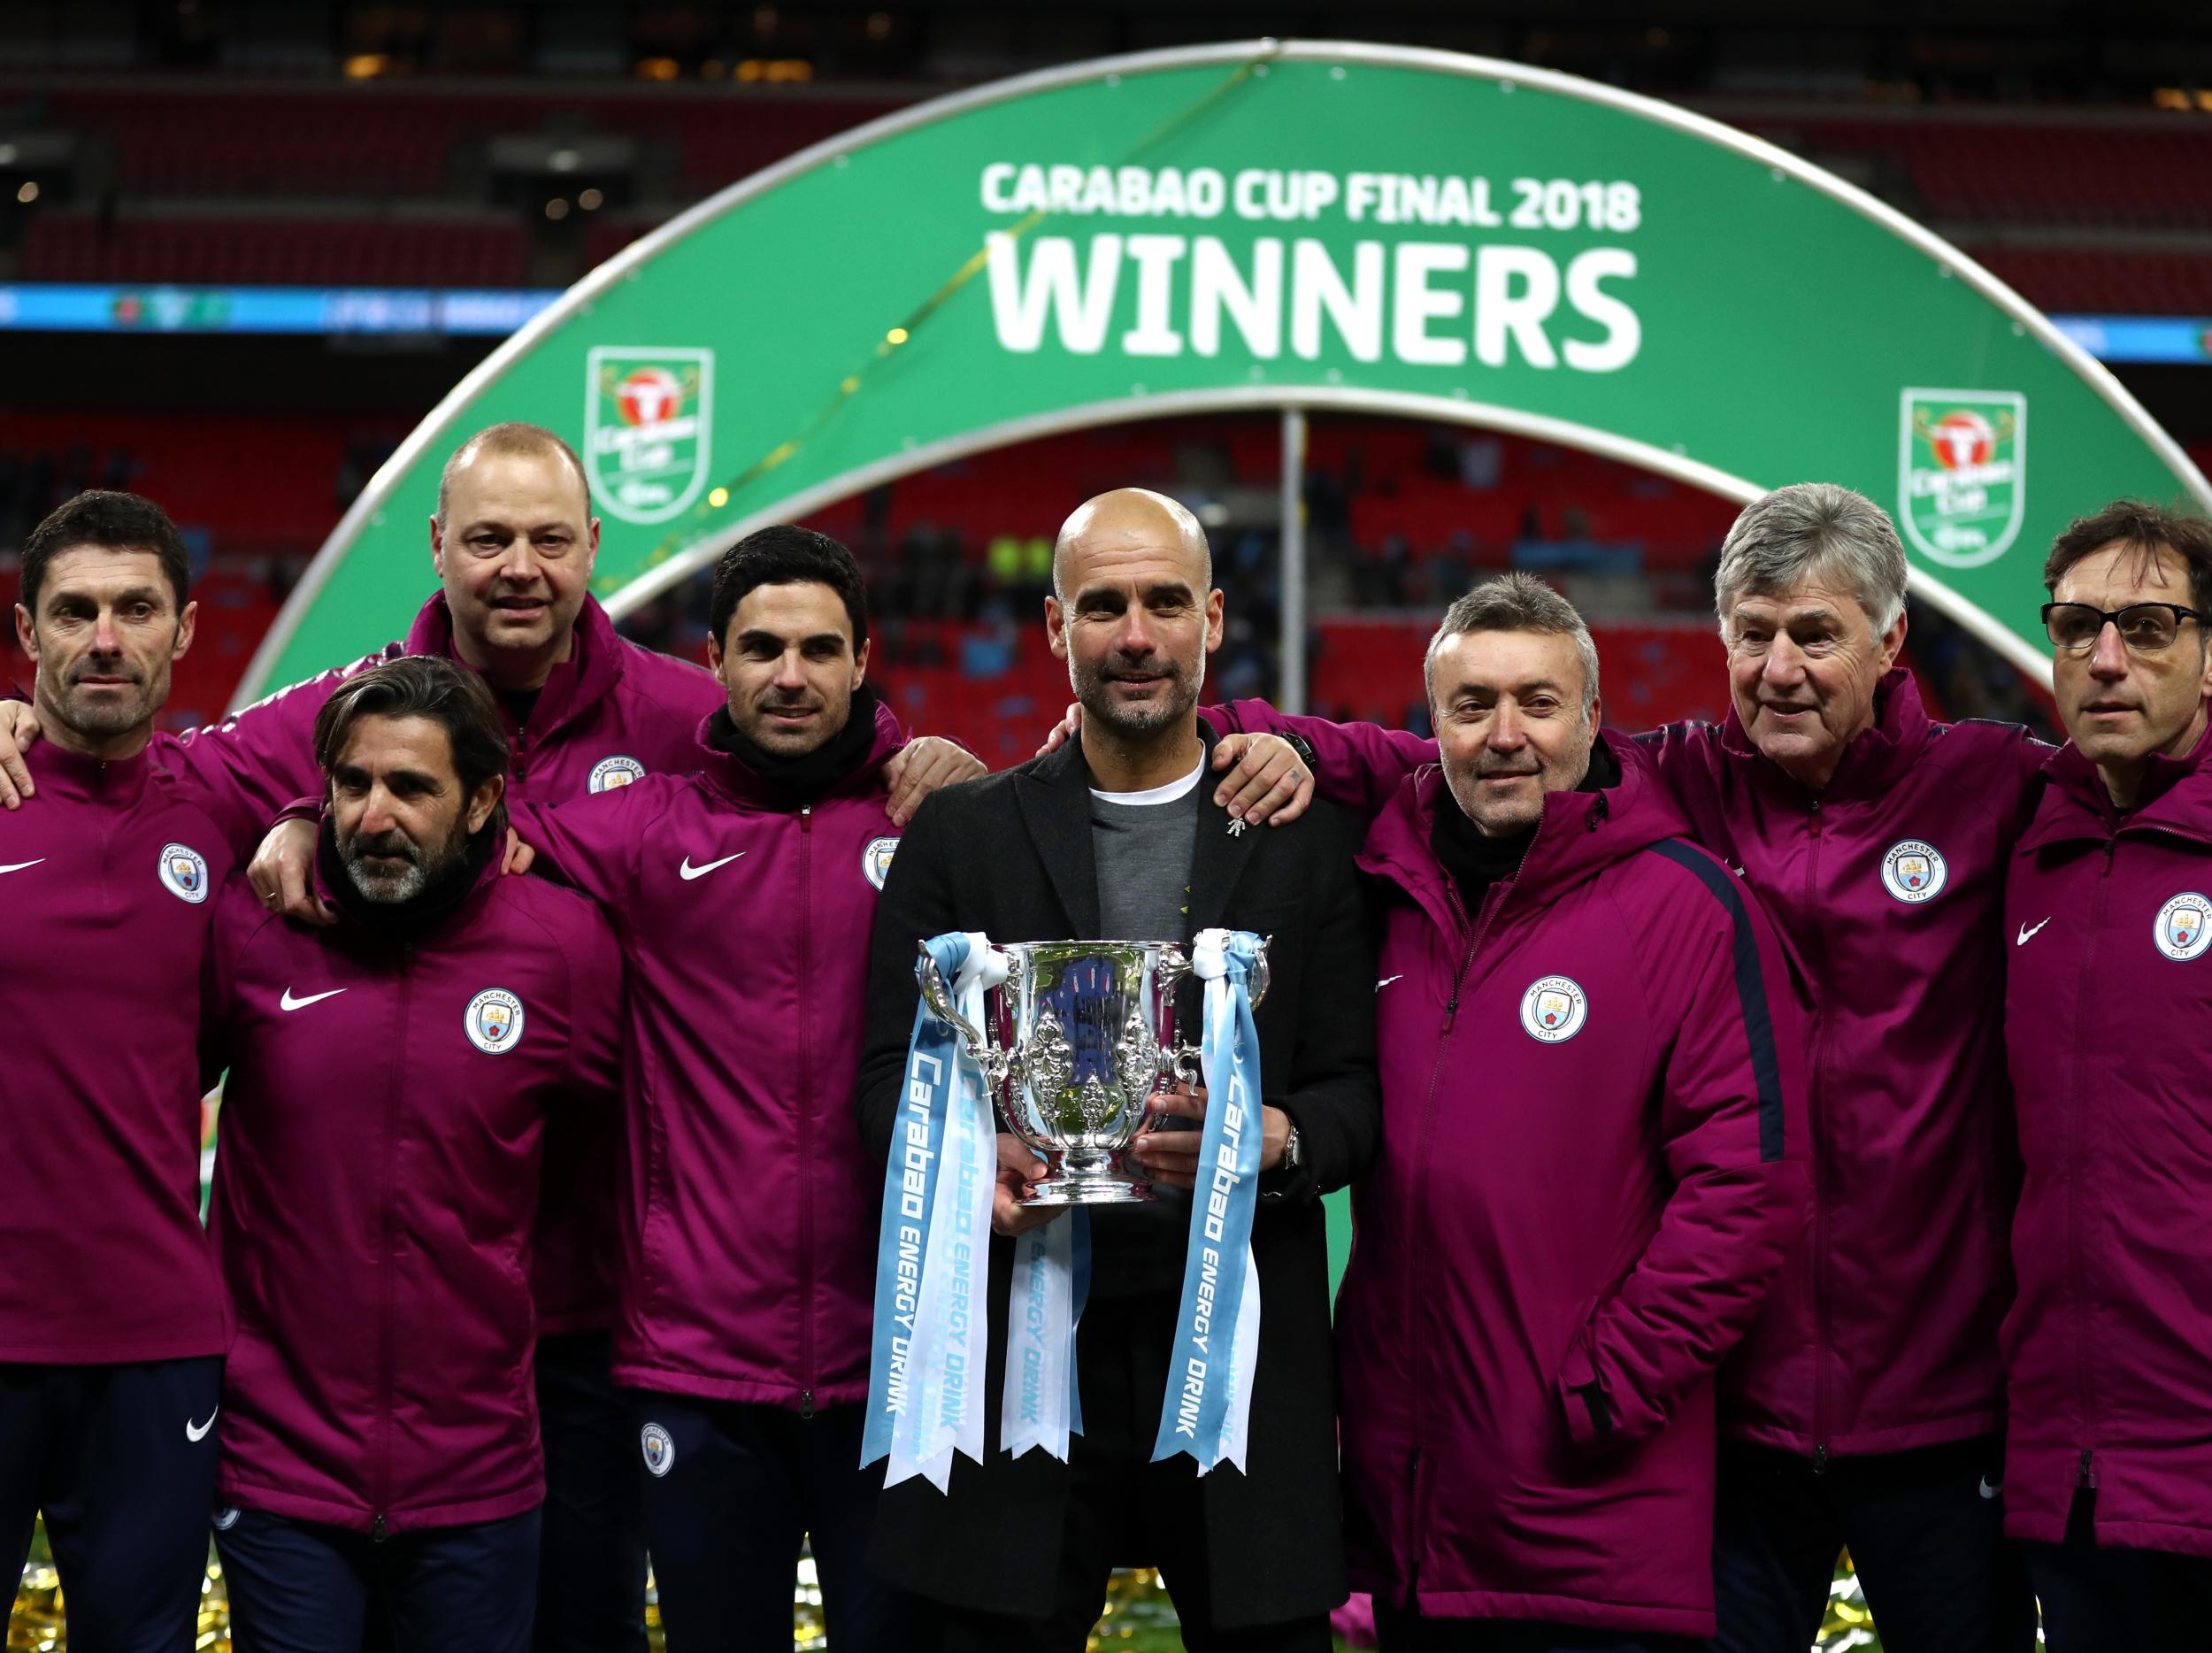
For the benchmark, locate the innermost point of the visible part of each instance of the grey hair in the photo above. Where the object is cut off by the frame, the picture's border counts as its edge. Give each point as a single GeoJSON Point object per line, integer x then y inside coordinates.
{"type": "Point", "coordinates": [1809, 527]}
{"type": "Point", "coordinates": [1516, 601]}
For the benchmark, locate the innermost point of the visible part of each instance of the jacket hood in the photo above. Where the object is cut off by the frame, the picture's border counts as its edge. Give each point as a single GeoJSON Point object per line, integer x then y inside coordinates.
{"type": "Point", "coordinates": [1580, 834]}
{"type": "Point", "coordinates": [574, 686]}
{"type": "Point", "coordinates": [1878, 755]}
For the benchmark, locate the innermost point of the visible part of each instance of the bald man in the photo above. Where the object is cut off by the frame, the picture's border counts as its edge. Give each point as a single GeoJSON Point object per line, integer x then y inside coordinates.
{"type": "Point", "coordinates": [1113, 836]}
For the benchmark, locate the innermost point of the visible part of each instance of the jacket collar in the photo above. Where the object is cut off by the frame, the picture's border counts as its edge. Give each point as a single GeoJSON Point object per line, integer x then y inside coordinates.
{"type": "Point", "coordinates": [114, 782]}
{"type": "Point", "coordinates": [736, 781]}
{"type": "Point", "coordinates": [1877, 757]}
{"type": "Point", "coordinates": [590, 673]}
{"type": "Point", "coordinates": [1054, 797]}
{"type": "Point", "coordinates": [2176, 799]}
{"type": "Point", "coordinates": [1579, 835]}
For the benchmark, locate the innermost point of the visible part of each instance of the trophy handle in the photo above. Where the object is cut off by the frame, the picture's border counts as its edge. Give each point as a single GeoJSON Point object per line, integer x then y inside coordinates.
{"type": "Point", "coordinates": [937, 994]}
{"type": "Point", "coordinates": [1185, 1063]}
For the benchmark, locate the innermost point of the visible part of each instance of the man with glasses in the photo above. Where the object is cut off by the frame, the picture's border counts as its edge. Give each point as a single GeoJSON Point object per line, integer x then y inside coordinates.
{"type": "Point", "coordinates": [2108, 909]}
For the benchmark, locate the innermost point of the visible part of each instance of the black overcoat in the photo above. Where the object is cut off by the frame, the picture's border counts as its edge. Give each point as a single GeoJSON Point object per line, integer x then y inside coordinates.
{"type": "Point", "coordinates": [1009, 855]}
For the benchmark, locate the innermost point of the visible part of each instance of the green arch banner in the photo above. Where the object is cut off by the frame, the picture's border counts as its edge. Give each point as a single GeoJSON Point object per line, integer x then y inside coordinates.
{"type": "Point", "coordinates": [1271, 223]}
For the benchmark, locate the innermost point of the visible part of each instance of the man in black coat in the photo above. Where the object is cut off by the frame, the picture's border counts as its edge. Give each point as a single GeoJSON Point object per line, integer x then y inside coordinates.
{"type": "Point", "coordinates": [1114, 835]}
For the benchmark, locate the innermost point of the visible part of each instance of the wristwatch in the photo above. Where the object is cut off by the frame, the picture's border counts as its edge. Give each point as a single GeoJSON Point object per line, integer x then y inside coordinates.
{"type": "Point", "coordinates": [1294, 1156]}
{"type": "Point", "coordinates": [1299, 745]}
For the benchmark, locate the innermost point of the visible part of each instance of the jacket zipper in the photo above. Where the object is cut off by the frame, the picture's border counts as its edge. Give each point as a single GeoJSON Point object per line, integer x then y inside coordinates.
{"type": "Point", "coordinates": [1824, 1337]}
{"type": "Point", "coordinates": [377, 1530]}
{"type": "Point", "coordinates": [2086, 1476]}
{"type": "Point", "coordinates": [805, 1103]}
{"type": "Point", "coordinates": [1492, 901]}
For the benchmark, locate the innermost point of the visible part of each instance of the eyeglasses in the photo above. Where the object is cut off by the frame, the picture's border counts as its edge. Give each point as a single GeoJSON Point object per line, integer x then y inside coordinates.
{"type": "Point", "coordinates": [2145, 628]}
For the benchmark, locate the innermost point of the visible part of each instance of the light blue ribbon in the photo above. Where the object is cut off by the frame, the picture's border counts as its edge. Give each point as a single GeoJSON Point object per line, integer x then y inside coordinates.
{"type": "Point", "coordinates": [933, 1056]}
{"type": "Point", "coordinates": [1042, 1403]}
{"type": "Point", "coordinates": [1210, 1374]}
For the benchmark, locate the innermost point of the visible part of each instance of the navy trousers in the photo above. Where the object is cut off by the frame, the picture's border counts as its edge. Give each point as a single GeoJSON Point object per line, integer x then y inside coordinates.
{"type": "Point", "coordinates": [591, 1555]}
{"type": "Point", "coordinates": [731, 1491]}
{"type": "Point", "coordinates": [1398, 1631]}
{"type": "Point", "coordinates": [121, 1459]}
{"type": "Point", "coordinates": [2103, 1599]}
{"type": "Point", "coordinates": [299, 1586]}
{"type": "Point", "coordinates": [1925, 1529]}
{"type": "Point", "coordinates": [1125, 1509]}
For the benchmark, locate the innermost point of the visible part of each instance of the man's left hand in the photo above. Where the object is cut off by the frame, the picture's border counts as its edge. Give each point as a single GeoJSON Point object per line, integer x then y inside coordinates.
{"type": "Point", "coordinates": [1270, 783]}
{"type": "Point", "coordinates": [1171, 1157]}
{"type": "Point", "coordinates": [919, 767]}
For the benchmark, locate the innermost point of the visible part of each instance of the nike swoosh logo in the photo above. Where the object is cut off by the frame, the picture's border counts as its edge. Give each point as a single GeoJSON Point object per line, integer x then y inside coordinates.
{"type": "Point", "coordinates": [1387, 980]}
{"type": "Point", "coordinates": [291, 1004]}
{"type": "Point", "coordinates": [2021, 940]}
{"type": "Point", "coordinates": [1987, 1490]}
{"type": "Point", "coordinates": [690, 872]}
{"type": "Point", "coordinates": [19, 865]}
{"type": "Point", "coordinates": [198, 1432]}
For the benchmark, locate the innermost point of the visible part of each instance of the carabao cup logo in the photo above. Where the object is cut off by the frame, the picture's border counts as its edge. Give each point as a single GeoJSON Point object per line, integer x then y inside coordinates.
{"type": "Point", "coordinates": [494, 1022]}
{"type": "Point", "coordinates": [1962, 473]}
{"type": "Point", "coordinates": [1913, 872]}
{"type": "Point", "coordinates": [2183, 928]}
{"type": "Point", "coordinates": [649, 423]}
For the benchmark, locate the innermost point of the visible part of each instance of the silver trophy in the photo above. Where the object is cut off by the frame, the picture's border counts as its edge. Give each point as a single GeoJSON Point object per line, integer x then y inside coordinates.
{"type": "Point", "coordinates": [1073, 1045]}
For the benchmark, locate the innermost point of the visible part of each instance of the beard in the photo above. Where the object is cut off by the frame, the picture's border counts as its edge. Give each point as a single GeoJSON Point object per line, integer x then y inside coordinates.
{"type": "Point", "coordinates": [758, 724]}
{"type": "Point", "coordinates": [103, 717]}
{"type": "Point", "coordinates": [1497, 817]}
{"type": "Point", "coordinates": [419, 868]}
{"type": "Point", "coordinates": [1171, 705]}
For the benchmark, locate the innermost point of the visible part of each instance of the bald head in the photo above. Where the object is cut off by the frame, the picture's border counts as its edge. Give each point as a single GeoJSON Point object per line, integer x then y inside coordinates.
{"type": "Point", "coordinates": [1128, 520]}
{"type": "Point", "coordinates": [511, 440]}
{"type": "Point", "coordinates": [1134, 614]}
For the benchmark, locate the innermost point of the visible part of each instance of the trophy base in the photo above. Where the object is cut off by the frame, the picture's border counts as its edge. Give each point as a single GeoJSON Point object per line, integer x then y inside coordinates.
{"type": "Point", "coordinates": [1087, 1185]}
{"type": "Point", "coordinates": [1103, 1192]}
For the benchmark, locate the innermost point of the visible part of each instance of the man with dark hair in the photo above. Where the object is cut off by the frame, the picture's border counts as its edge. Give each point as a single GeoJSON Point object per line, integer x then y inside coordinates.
{"type": "Point", "coordinates": [1112, 837]}
{"type": "Point", "coordinates": [2109, 1464]}
{"type": "Point", "coordinates": [1592, 1168]}
{"type": "Point", "coordinates": [101, 517]}
{"type": "Point", "coordinates": [742, 895]}
{"type": "Point", "coordinates": [786, 555]}
{"type": "Point", "coordinates": [389, 1079]}
{"type": "Point", "coordinates": [113, 1321]}
{"type": "Point", "coordinates": [513, 543]}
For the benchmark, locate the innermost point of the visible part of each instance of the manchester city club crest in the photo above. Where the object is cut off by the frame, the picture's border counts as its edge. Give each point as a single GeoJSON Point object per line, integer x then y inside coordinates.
{"type": "Point", "coordinates": [184, 873]}
{"type": "Point", "coordinates": [660, 1451]}
{"type": "Point", "coordinates": [494, 1022]}
{"type": "Point", "coordinates": [609, 773]}
{"type": "Point", "coordinates": [2183, 929]}
{"type": "Point", "coordinates": [875, 860]}
{"type": "Point", "coordinates": [1913, 872]}
{"type": "Point", "coordinates": [1962, 473]}
{"type": "Point", "coordinates": [648, 426]}
{"type": "Point", "coordinates": [1553, 1010]}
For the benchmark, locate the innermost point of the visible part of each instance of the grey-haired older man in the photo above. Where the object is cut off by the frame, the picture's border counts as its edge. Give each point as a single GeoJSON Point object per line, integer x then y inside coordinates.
{"type": "Point", "coordinates": [1865, 1409]}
